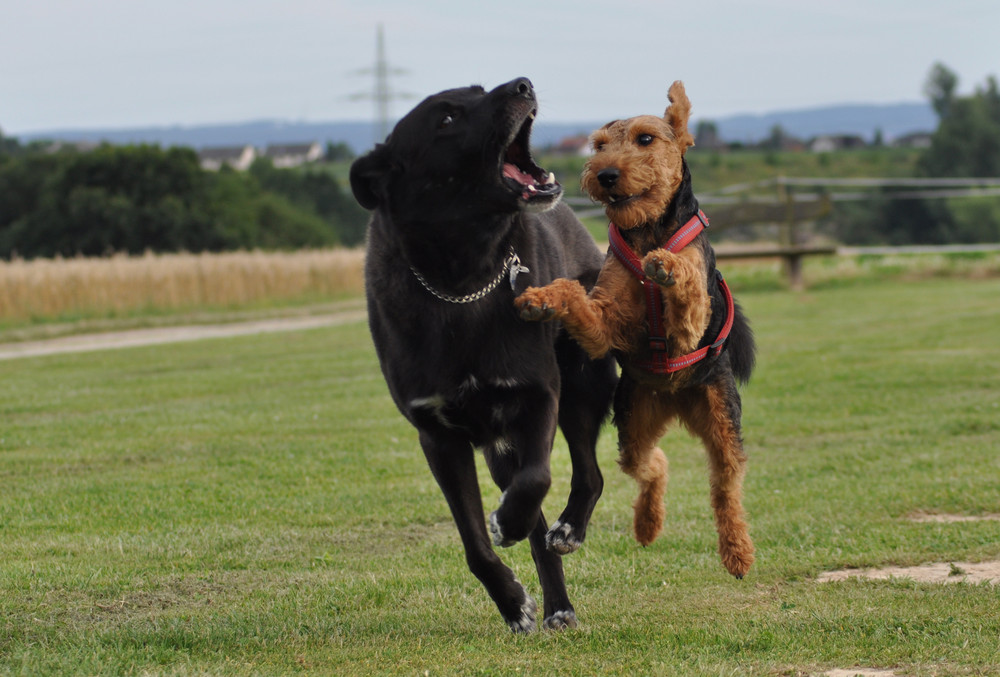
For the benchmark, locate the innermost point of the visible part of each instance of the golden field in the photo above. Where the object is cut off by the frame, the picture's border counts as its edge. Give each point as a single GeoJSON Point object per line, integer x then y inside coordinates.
{"type": "Point", "coordinates": [123, 287]}
{"type": "Point", "coordinates": [117, 285]}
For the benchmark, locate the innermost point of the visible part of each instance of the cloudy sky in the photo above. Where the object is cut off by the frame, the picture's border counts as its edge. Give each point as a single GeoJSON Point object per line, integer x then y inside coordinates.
{"type": "Point", "coordinates": [131, 63]}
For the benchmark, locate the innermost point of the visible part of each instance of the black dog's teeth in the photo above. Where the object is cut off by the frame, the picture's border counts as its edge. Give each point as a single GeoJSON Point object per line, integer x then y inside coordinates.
{"type": "Point", "coordinates": [520, 167]}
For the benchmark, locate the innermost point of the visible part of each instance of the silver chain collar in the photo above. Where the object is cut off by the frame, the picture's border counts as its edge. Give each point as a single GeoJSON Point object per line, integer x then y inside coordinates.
{"type": "Point", "coordinates": [512, 264]}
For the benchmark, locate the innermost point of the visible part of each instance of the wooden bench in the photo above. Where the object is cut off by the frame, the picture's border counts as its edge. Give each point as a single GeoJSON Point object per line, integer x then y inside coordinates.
{"type": "Point", "coordinates": [790, 254]}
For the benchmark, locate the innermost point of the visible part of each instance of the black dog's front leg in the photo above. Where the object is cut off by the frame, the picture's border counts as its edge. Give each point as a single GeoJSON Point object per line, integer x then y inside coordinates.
{"type": "Point", "coordinates": [559, 613]}
{"type": "Point", "coordinates": [587, 389]}
{"type": "Point", "coordinates": [451, 460]}
{"type": "Point", "coordinates": [525, 480]}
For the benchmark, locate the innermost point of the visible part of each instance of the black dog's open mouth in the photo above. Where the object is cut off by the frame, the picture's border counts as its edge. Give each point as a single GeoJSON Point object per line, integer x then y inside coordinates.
{"type": "Point", "coordinates": [519, 171]}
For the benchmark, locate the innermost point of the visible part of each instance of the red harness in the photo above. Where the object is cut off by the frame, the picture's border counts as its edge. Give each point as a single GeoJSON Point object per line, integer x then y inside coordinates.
{"type": "Point", "coordinates": [660, 362]}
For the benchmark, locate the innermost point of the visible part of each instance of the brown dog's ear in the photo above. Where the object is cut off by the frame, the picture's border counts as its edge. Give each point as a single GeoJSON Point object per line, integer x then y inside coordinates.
{"type": "Point", "coordinates": [369, 177]}
{"type": "Point", "coordinates": [677, 115]}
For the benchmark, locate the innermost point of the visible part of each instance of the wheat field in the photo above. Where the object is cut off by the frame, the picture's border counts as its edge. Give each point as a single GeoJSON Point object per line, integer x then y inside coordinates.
{"type": "Point", "coordinates": [121, 286]}
{"type": "Point", "coordinates": [53, 288]}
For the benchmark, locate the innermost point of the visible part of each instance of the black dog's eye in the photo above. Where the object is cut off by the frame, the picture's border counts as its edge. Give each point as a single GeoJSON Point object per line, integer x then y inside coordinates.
{"type": "Point", "coordinates": [644, 139]}
{"type": "Point", "coordinates": [446, 121]}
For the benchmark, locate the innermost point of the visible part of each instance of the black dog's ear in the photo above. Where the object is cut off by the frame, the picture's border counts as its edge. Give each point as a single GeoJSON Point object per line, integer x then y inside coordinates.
{"type": "Point", "coordinates": [369, 177]}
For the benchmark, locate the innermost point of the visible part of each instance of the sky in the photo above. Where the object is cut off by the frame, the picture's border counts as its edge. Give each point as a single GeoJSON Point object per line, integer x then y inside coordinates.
{"type": "Point", "coordinates": [75, 64]}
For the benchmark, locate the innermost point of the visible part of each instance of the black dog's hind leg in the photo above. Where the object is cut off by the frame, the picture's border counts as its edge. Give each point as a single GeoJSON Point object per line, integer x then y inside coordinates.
{"type": "Point", "coordinates": [559, 613]}
{"type": "Point", "coordinates": [588, 387]}
{"type": "Point", "coordinates": [451, 459]}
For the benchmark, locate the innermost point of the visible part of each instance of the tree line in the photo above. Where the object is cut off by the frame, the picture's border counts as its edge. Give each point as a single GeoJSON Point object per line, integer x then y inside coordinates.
{"type": "Point", "coordinates": [138, 198]}
{"type": "Point", "coordinates": [145, 198]}
{"type": "Point", "coordinates": [965, 144]}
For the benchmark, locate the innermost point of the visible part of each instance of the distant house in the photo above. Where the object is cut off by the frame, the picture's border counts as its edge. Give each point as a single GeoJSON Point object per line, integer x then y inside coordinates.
{"type": "Point", "coordinates": [73, 146]}
{"type": "Point", "coordinates": [914, 140]}
{"type": "Point", "coordinates": [707, 137]}
{"type": "Point", "coordinates": [238, 157]}
{"type": "Point", "coordinates": [831, 142]}
{"type": "Point", "coordinates": [573, 145]}
{"type": "Point", "coordinates": [294, 155]}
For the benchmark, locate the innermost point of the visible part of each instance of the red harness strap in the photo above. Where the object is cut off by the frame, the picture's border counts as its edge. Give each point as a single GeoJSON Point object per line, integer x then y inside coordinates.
{"type": "Point", "coordinates": [660, 362]}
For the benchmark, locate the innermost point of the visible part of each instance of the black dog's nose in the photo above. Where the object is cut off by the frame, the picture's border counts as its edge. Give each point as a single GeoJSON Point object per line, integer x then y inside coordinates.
{"type": "Point", "coordinates": [521, 86]}
{"type": "Point", "coordinates": [608, 177]}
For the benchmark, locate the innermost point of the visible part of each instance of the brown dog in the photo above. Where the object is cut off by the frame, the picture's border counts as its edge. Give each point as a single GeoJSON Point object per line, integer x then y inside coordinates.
{"type": "Point", "coordinates": [662, 309]}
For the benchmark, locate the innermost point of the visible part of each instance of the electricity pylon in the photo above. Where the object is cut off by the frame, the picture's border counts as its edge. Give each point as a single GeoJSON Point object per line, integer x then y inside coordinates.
{"type": "Point", "coordinates": [382, 94]}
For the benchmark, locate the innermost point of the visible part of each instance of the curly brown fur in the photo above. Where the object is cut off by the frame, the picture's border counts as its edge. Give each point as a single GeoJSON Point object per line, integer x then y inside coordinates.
{"type": "Point", "coordinates": [638, 172]}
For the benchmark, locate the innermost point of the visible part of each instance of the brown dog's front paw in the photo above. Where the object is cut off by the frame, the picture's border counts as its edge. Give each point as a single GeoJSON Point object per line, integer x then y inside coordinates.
{"type": "Point", "coordinates": [533, 305]}
{"type": "Point", "coordinates": [659, 270]}
{"type": "Point", "coordinates": [537, 313]}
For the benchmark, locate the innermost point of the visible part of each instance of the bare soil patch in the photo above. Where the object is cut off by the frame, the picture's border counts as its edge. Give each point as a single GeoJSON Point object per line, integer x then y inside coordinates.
{"type": "Point", "coordinates": [937, 518]}
{"type": "Point", "coordinates": [859, 672]}
{"type": "Point", "coordinates": [939, 572]}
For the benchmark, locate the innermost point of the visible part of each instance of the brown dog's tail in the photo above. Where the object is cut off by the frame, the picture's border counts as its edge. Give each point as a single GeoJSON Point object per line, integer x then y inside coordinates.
{"type": "Point", "coordinates": [741, 347]}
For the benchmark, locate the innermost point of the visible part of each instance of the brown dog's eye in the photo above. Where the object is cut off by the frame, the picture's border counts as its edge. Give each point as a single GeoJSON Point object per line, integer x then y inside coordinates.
{"type": "Point", "coordinates": [644, 139]}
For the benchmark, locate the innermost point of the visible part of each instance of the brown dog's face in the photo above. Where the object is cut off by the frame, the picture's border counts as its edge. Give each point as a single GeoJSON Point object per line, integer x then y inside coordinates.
{"type": "Point", "coordinates": [637, 163]}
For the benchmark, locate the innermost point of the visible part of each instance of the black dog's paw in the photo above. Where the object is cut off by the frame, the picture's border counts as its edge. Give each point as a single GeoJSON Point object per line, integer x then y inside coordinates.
{"type": "Point", "coordinates": [560, 620]}
{"type": "Point", "coordinates": [657, 273]}
{"type": "Point", "coordinates": [562, 538]}
{"type": "Point", "coordinates": [525, 621]}
{"type": "Point", "coordinates": [496, 531]}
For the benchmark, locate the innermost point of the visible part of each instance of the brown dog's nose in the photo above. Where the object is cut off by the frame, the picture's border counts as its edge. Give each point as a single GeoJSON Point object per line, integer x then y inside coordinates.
{"type": "Point", "coordinates": [608, 177]}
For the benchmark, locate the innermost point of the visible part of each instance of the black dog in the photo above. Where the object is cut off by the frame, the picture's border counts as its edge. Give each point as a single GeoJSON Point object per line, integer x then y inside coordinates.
{"type": "Point", "coordinates": [463, 221]}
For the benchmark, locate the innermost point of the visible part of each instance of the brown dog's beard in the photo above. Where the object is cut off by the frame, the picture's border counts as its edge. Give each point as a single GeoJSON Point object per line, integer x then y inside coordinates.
{"type": "Point", "coordinates": [641, 196]}
{"type": "Point", "coordinates": [646, 207]}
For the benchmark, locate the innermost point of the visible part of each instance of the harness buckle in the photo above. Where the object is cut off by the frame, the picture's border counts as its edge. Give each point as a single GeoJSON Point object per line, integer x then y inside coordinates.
{"type": "Point", "coordinates": [658, 344]}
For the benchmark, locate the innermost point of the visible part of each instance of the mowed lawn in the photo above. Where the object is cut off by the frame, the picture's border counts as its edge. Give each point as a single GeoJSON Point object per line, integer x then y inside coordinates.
{"type": "Point", "coordinates": [257, 506]}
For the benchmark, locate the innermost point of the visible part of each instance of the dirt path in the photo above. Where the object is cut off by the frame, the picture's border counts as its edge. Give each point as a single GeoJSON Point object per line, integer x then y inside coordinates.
{"type": "Point", "coordinates": [147, 337]}
{"type": "Point", "coordinates": [939, 572]}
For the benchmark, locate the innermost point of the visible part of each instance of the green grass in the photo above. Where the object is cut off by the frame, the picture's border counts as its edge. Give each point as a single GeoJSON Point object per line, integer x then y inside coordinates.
{"type": "Point", "coordinates": [256, 506]}
{"type": "Point", "coordinates": [713, 170]}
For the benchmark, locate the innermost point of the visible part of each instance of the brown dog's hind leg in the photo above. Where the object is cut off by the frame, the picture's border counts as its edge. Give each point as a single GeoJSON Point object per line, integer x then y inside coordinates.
{"type": "Point", "coordinates": [642, 418]}
{"type": "Point", "coordinates": [714, 415]}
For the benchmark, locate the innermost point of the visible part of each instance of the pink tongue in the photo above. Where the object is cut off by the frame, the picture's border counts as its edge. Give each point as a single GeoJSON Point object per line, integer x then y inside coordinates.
{"type": "Point", "coordinates": [513, 172]}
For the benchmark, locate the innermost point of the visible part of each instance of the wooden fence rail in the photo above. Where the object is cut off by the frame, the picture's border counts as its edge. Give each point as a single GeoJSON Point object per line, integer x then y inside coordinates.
{"type": "Point", "coordinates": [789, 206]}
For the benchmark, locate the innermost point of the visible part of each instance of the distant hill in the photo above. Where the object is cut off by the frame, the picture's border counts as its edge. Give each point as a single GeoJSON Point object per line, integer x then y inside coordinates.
{"type": "Point", "coordinates": [258, 133]}
{"type": "Point", "coordinates": [893, 120]}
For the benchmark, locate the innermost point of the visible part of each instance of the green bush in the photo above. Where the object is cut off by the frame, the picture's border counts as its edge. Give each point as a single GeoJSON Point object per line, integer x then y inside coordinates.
{"type": "Point", "coordinates": [143, 198]}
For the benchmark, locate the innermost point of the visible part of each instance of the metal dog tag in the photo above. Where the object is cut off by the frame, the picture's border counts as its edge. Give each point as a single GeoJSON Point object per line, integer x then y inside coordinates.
{"type": "Point", "coordinates": [516, 269]}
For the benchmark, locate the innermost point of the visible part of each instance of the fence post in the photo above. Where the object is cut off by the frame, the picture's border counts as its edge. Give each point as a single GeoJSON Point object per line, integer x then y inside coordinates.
{"type": "Point", "coordinates": [788, 236]}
